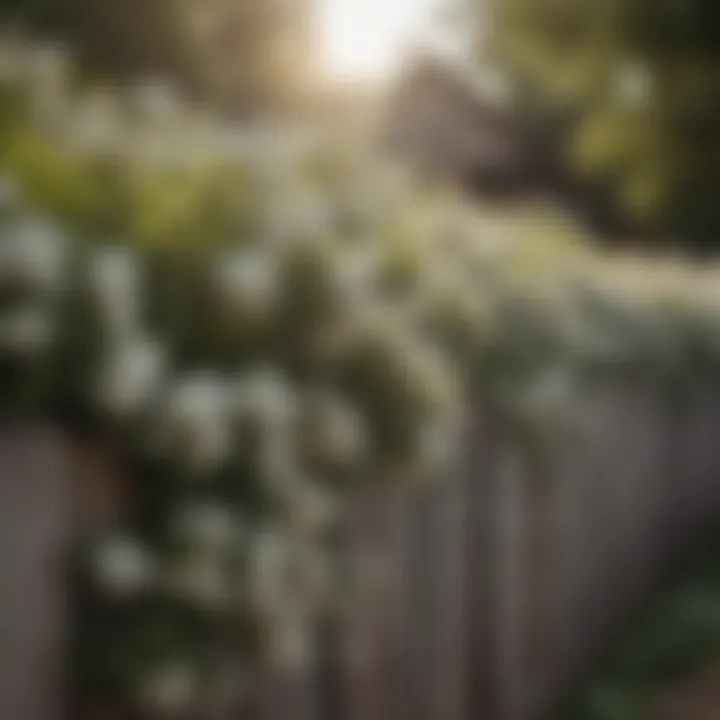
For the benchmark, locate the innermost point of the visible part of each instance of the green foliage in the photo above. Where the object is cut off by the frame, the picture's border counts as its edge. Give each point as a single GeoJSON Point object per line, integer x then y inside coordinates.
{"type": "Point", "coordinates": [630, 93]}
{"type": "Point", "coordinates": [219, 322]}
{"type": "Point", "coordinates": [261, 328]}
{"type": "Point", "coordinates": [677, 636]}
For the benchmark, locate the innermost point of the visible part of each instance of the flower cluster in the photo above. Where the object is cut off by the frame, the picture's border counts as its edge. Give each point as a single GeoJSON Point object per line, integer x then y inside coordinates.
{"type": "Point", "coordinates": [251, 384]}
{"type": "Point", "coordinates": [261, 327]}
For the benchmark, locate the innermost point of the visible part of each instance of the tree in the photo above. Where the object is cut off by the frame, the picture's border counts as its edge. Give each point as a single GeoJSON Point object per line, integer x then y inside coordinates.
{"type": "Point", "coordinates": [629, 90]}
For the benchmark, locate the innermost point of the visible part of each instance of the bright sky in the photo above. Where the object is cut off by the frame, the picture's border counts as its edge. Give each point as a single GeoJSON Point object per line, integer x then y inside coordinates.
{"type": "Point", "coordinates": [365, 40]}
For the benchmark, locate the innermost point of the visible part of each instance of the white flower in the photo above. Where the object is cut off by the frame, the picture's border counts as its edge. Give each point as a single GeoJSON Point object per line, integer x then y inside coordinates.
{"type": "Point", "coordinates": [248, 282]}
{"type": "Point", "coordinates": [208, 526]}
{"type": "Point", "coordinates": [123, 566]}
{"type": "Point", "coordinates": [130, 377]}
{"type": "Point", "coordinates": [634, 84]}
{"type": "Point", "coordinates": [115, 283]}
{"type": "Point", "coordinates": [169, 690]}
{"type": "Point", "coordinates": [265, 397]}
{"type": "Point", "coordinates": [32, 256]}
{"type": "Point", "coordinates": [195, 427]}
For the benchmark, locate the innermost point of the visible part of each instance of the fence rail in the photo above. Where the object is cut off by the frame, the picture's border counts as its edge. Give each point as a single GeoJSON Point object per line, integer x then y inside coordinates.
{"type": "Point", "coordinates": [499, 587]}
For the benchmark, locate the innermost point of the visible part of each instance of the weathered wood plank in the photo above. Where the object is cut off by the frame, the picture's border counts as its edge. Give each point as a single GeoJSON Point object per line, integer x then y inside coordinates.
{"type": "Point", "coordinates": [481, 564]}
{"type": "Point", "coordinates": [33, 530]}
{"type": "Point", "coordinates": [373, 635]}
{"type": "Point", "coordinates": [290, 694]}
{"type": "Point", "coordinates": [510, 675]}
{"type": "Point", "coordinates": [434, 597]}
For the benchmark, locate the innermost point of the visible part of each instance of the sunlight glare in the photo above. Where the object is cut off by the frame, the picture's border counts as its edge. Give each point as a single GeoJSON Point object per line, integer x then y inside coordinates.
{"type": "Point", "coordinates": [365, 40]}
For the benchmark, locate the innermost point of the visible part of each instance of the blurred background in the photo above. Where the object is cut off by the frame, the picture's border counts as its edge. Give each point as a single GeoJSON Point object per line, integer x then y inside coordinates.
{"type": "Point", "coordinates": [622, 96]}
{"type": "Point", "coordinates": [359, 359]}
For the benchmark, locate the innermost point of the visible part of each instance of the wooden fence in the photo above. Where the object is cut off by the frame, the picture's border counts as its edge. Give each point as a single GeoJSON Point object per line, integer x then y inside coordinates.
{"type": "Point", "coordinates": [499, 586]}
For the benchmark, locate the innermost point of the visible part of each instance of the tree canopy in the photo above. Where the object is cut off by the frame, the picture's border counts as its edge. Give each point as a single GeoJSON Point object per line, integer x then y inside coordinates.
{"type": "Point", "coordinates": [630, 92]}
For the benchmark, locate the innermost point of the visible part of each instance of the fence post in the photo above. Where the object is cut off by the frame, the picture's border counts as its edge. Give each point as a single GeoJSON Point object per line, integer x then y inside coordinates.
{"type": "Point", "coordinates": [434, 595]}
{"type": "Point", "coordinates": [33, 532]}
{"type": "Point", "coordinates": [638, 476]}
{"type": "Point", "coordinates": [372, 649]}
{"type": "Point", "coordinates": [289, 694]}
{"type": "Point", "coordinates": [701, 461]}
{"type": "Point", "coordinates": [481, 557]}
{"type": "Point", "coordinates": [510, 676]}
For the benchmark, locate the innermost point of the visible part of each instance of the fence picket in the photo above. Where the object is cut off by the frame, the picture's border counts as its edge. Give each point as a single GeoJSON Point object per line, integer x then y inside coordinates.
{"type": "Point", "coordinates": [480, 482]}
{"type": "Point", "coordinates": [33, 531]}
{"type": "Point", "coordinates": [287, 695]}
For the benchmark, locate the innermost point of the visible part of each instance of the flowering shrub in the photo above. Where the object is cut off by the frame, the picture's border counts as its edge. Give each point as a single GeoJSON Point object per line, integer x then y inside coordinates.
{"type": "Point", "coordinates": [234, 325]}
{"type": "Point", "coordinates": [251, 385]}
{"type": "Point", "coordinates": [260, 327]}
